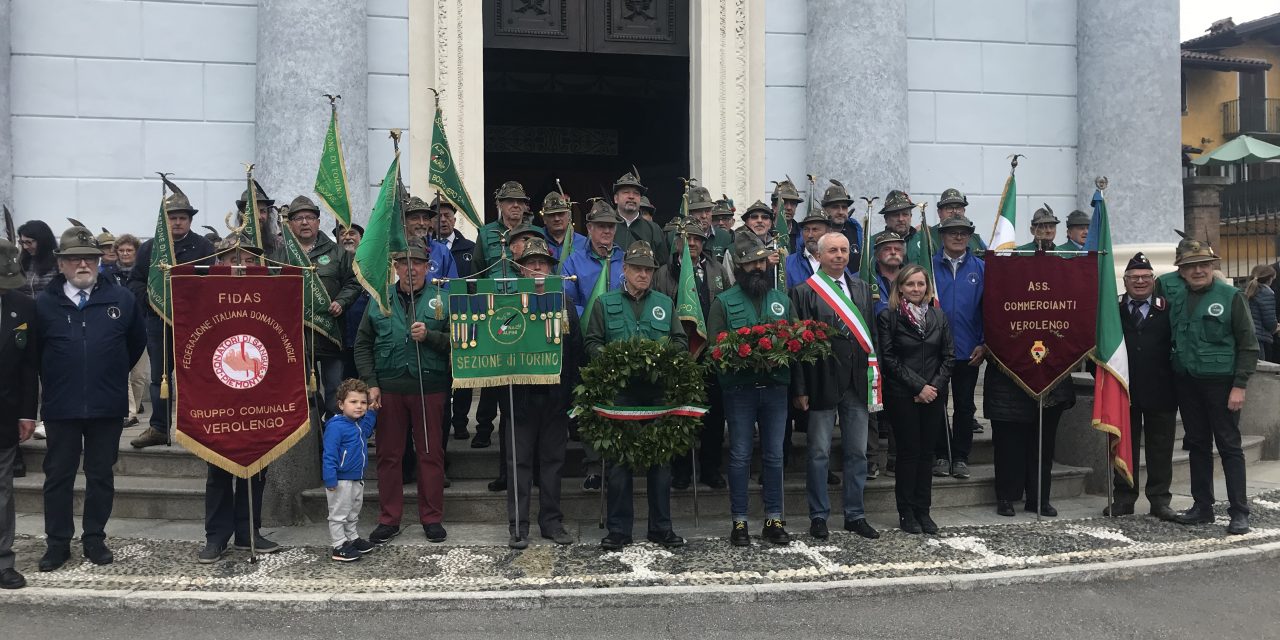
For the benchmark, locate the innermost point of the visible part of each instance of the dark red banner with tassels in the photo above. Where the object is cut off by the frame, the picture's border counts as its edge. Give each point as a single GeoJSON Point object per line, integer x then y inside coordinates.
{"type": "Point", "coordinates": [239, 364]}
{"type": "Point", "coordinates": [1039, 314]}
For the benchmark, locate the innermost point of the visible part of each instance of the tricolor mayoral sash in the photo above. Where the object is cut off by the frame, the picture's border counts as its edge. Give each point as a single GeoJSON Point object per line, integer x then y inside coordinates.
{"type": "Point", "coordinates": [835, 297]}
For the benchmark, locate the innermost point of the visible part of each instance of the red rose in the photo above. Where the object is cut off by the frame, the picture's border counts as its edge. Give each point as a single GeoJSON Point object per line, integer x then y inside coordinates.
{"type": "Point", "coordinates": [716, 353]}
{"type": "Point", "coordinates": [784, 334]}
{"type": "Point", "coordinates": [765, 343]}
{"type": "Point", "coordinates": [758, 330]}
{"type": "Point", "coordinates": [808, 323]}
{"type": "Point", "coordinates": [822, 335]}
{"type": "Point", "coordinates": [793, 346]}
{"type": "Point", "coordinates": [744, 350]}
{"type": "Point", "coordinates": [744, 331]}
{"type": "Point", "coordinates": [722, 336]}
{"type": "Point", "coordinates": [781, 323]}
{"type": "Point", "coordinates": [807, 336]}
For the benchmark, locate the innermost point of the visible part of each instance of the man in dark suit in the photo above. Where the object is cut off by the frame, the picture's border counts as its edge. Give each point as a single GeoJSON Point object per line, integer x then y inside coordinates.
{"type": "Point", "coordinates": [462, 250]}
{"type": "Point", "coordinates": [19, 391]}
{"type": "Point", "coordinates": [1153, 403]}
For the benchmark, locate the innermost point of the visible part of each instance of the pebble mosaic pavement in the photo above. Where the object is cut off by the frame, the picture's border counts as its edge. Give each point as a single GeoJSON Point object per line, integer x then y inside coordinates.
{"type": "Point", "coordinates": [164, 565]}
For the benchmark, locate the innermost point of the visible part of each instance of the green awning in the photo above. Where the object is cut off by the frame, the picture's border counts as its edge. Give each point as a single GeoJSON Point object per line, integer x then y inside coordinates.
{"type": "Point", "coordinates": [1242, 150]}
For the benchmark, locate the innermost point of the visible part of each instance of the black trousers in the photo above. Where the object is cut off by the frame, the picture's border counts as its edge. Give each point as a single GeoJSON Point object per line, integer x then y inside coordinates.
{"type": "Point", "coordinates": [159, 337]}
{"type": "Point", "coordinates": [710, 441]}
{"type": "Point", "coordinates": [1207, 421]}
{"type": "Point", "coordinates": [99, 440]}
{"type": "Point", "coordinates": [916, 433]}
{"type": "Point", "coordinates": [540, 445]}
{"type": "Point", "coordinates": [1157, 428]}
{"type": "Point", "coordinates": [964, 381]}
{"type": "Point", "coordinates": [487, 412]}
{"type": "Point", "coordinates": [461, 407]}
{"type": "Point", "coordinates": [226, 506]}
{"type": "Point", "coordinates": [1015, 457]}
{"type": "Point", "coordinates": [503, 399]}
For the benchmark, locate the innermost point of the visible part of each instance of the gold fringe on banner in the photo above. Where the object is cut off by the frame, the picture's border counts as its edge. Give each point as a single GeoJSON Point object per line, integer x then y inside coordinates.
{"type": "Point", "coordinates": [1052, 385]}
{"type": "Point", "coordinates": [240, 471]}
{"type": "Point", "coordinates": [497, 381]}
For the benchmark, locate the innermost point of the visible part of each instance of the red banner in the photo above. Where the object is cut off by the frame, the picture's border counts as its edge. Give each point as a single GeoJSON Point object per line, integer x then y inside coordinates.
{"type": "Point", "coordinates": [239, 365]}
{"type": "Point", "coordinates": [1039, 315]}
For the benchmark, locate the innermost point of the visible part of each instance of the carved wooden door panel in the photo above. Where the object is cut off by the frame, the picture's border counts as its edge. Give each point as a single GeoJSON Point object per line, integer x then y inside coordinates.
{"type": "Point", "coordinates": [643, 27]}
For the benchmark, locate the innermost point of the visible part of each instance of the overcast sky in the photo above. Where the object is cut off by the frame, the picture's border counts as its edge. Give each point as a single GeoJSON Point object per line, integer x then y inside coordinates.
{"type": "Point", "coordinates": [1197, 15]}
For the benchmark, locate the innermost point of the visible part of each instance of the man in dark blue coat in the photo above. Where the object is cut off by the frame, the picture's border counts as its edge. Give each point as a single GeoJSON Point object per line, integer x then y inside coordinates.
{"type": "Point", "coordinates": [91, 334]}
{"type": "Point", "coordinates": [187, 247]}
{"type": "Point", "coordinates": [19, 390]}
{"type": "Point", "coordinates": [462, 250]}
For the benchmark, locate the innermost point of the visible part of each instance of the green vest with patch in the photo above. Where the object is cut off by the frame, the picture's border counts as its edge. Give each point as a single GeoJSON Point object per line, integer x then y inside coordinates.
{"type": "Point", "coordinates": [621, 323]}
{"type": "Point", "coordinates": [394, 355]}
{"type": "Point", "coordinates": [1204, 345]}
{"type": "Point", "coordinates": [740, 312]}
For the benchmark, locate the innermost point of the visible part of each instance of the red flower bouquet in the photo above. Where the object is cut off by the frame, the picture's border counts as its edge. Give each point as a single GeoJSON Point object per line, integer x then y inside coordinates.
{"type": "Point", "coordinates": [767, 346]}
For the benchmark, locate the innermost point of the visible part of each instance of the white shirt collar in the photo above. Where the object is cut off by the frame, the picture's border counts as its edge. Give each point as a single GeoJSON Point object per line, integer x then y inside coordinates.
{"type": "Point", "coordinates": [73, 292]}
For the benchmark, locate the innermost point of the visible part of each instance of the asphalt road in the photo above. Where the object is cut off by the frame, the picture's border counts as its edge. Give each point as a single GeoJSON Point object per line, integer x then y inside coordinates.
{"type": "Point", "coordinates": [1231, 602]}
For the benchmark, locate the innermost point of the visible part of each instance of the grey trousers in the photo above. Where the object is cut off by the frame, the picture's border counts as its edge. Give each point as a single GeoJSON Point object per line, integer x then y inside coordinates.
{"type": "Point", "coordinates": [344, 510]}
{"type": "Point", "coordinates": [7, 518]}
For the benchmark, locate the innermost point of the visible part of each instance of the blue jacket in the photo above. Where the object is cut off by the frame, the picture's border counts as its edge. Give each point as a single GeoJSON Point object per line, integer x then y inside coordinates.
{"type": "Point", "coordinates": [86, 354]}
{"type": "Point", "coordinates": [882, 302]}
{"type": "Point", "coordinates": [346, 448]}
{"type": "Point", "coordinates": [960, 296]}
{"type": "Point", "coordinates": [798, 269]}
{"type": "Point", "coordinates": [586, 265]}
{"type": "Point", "coordinates": [580, 244]}
{"type": "Point", "coordinates": [442, 264]}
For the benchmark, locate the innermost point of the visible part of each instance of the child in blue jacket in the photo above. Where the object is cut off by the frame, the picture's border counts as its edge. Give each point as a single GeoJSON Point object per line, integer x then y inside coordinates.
{"type": "Point", "coordinates": [346, 452]}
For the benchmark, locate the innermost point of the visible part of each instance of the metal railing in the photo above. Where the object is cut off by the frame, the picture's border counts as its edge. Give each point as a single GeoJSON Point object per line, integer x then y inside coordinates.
{"type": "Point", "coordinates": [1251, 116]}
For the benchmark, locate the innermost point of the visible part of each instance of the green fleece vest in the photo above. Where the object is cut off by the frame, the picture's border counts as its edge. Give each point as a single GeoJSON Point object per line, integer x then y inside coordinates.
{"type": "Point", "coordinates": [393, 355]}
{"type": "Point", "coordinates": [1204, 345]}
{"type": "Point", "coordinates": [621, 323]}
{"type": "Point", "coordinates": [740, 312]}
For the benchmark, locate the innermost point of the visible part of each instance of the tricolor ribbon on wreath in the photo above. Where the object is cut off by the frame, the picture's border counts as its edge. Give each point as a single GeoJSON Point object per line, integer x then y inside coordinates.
{"type": "Point", "coordinates": [611, 412]}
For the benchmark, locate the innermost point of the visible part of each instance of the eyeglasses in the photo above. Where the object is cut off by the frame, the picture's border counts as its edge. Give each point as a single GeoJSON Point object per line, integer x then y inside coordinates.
{"type": "Point", "coordinates": [1140, 278]}
{"type": "Point", "coordinates": [759, 216]}
{"type": "Point", "coordinates": [82, 259]}
{"type": "Point", "coordinates": [302, 218]}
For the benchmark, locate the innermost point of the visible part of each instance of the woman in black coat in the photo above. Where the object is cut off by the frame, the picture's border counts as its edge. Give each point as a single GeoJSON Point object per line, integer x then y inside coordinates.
{"type": "Point", "coordinates": [915, 352]}
{"type": "Point", "coordinates": [1014, 419]}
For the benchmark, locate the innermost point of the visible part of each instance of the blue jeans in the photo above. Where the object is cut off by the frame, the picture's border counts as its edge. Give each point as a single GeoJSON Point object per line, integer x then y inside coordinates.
{"type": "Point", "coordinates": [620, 509]}
{"type": "Point", "coordinates": [853, 433]}
{"type": "Point", "coordinates": [744, 409]}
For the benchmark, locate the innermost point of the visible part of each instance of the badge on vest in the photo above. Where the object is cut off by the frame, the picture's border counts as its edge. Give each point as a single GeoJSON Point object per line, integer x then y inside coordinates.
{"type": "Point", "coordinates": [777, 308]}
{"type": "Point", "coordinates": [113, 313]}
{"type": "Point", "coordinates": [659, 313]}
{"type": "Point", "coordinates": [434, 303]}
{"type": "Point", "coordinates": [1216, 309]}
{"type": "Point", "coordinates": [973, 278]}
{"type": "Point", "coordinates": [323, 260]}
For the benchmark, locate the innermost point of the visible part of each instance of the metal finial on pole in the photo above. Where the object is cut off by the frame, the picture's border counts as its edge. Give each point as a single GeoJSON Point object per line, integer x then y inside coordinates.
{"type": "Point", "coordinates": [1013, 161]}
{"type": "Point", "coordinates": [1101, 183]}
{"type": "Point", "coordinates": [333, 99]}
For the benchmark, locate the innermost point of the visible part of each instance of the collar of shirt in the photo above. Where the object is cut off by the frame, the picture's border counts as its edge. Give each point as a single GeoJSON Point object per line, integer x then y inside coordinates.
{"type": "Point", "coordinates": [73, 292]}
{"type": "Point", "coordinates": [954, 263]}
{"type": "Point", "coordinates": [630, 220]}
{"type": "Point", "coordinates": [813, 262]}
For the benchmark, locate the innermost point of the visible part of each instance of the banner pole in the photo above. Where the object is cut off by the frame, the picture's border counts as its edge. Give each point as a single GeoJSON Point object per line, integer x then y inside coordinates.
{"type": "Point", "coordinates": [1040, 460]}
{"type": "Point", "coordinates": [947, 429]}
{"type": "Point", "coordinates": [514, 480]}
{"type": "Point", "coordinates": [694, 458]}
{"type": "Point", "coordinates": [604, 488]}
{"type": "Point", "coordinates": [253, 530]}
{"type": "Point", "coordinates": [1106, 450]}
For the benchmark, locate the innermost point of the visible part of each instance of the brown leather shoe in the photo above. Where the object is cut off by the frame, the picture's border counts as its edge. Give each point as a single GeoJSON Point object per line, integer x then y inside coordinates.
{"type": "Point", "coordinates": [149, 438]}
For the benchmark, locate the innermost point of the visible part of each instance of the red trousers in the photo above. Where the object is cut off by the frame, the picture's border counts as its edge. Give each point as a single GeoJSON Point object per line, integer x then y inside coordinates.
{"type": "Point", "coordinates": [401, 413]}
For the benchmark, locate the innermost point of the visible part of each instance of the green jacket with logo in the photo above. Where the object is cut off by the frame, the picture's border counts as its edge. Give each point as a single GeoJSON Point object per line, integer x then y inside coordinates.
{"type": "Point", "coordinates": [385, 354]}
{"type": "Point", "coordinates": [617, 315]}
{"type": "Point", "coordinates": [733, 310]}
{"type": "Point", "coordinates": [1212, 330]}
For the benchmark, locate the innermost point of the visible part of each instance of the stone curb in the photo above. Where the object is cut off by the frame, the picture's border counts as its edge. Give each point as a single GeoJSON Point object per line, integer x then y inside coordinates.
{"type": "Point", "coordinates": [625, 596]}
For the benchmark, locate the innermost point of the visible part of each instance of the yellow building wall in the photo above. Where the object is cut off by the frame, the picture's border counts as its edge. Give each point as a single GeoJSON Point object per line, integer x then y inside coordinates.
{"type": "Point", "coordinates": [1208, 89]}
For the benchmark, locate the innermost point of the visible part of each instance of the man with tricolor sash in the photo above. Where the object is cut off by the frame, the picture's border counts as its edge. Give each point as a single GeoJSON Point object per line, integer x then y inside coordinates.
{"type": "Point", "coordinates": [846, 384]}
{"type": "Point", "coordinates": [754, 399]}
{"type": "Point", "coordinates": [636, 310]}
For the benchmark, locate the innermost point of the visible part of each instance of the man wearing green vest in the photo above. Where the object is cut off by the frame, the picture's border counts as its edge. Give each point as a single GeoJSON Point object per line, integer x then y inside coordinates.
{"type": "Point", "coordinates": [401, 360]}
{"type": "Point", "coordinates": [752, 399]}
{"type": "Point", "coordinates": [721, 229]}
{"type": "Point", "coordinates": [1214, 353]}
{"type": "Point", "coordinates": [512, 204]}
{"type": "Point", "coordinates": [1044, 229]}
{"type": "Point", "coordinates": [951, 204]}
{"type": "Point", "coordinates": [627, 192]}
{"type": "Point", "coordinates": [636, 310]}
{"type": "Point", "coordinates": [1077, 232]}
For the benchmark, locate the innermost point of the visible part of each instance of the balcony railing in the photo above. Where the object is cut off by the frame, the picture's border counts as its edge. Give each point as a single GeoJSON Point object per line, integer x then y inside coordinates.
{"type": "Point", "coordinates": [1251, 116]}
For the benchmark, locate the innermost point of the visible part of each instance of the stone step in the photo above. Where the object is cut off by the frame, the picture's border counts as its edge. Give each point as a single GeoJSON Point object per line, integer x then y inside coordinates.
{"type": "Point", "coordinates": [136, 496]}
{"type": "Point", "coordinates": [471, 501]}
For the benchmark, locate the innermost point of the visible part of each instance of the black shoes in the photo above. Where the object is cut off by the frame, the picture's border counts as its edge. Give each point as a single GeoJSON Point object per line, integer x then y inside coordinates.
{"type": "Point", "coordinates": [862, 528]}
{"type": "Point", "coordinates": [518, 542]}
{"type": "Point", "coordinates": [260, 545]}
{"type": "Point", "coordinates": [480, 441]}
{"type": "Point", "coordinates": [19, 471]}
{"type": "Point", "coordinates": [873, 470]}
{"type": "Point", "coordinates": [498, 485]}
{"type": "Point", "coordinates": [941, 468]}
{"type": "Point", "coordinates": [927, 525]}
{"type": "Point", "coordinates": [98, 553]}
{"type": "Point", "coordinates": [383, 533]}
{"type": "Point", "coordinates": [1005, 508]}
{"type": "Point", "coordinates": [54, 557]}
{"type": "Point", "coordinates": [560, 537]}
{"type": "Point", "coordinates": [739, 537]}
{"type": "Point", "coordinates": [211, 553]}
{"type": "Point", "coordinates": [1198, 514]}
{"type": "Point", "coordinates": [775, 533]}
{"type": "Point", "coordinates": [362, 546]}
{"type": "Point", "coordinates": [592, 482]}
{"type": "Point", "coordinates": [1239, 524]}
{"type": "Point", "coordinates": [960, 470]}
{"type": "Point", "coordinates": [1165, 513]}
{"type": "Point", "coordinates": [345, 553]}
{"type": "Point", "coordinates": [1046, 509]}
{"type": "Point", "coordinates": [680, 484]}
{"type": "Point", "coordinates": [908, 523]}
{"type": "Point", "coordinates": [435, 532]}
{"type": "Point", "coordinates": [615, 542]}
{"type": "Point", "coordinates": [666, 538]}
{"type": "Point", "coordinates": [461, 433]}
{"type": "Point", "coordinates": [818, 529]}
{"type": "Point", "coordinates": [11, 579]}
{"type": "Point", "coordinates": [715, 481]}
{"type": "Point", "coordinates": [1119, 510]}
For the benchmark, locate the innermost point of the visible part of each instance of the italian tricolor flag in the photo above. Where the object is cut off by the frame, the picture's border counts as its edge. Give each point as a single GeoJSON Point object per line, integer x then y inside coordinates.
{"type": "Point", "coordinates": [1004, 235]}
{"type": "Point", "coordinates": [1111, 380]}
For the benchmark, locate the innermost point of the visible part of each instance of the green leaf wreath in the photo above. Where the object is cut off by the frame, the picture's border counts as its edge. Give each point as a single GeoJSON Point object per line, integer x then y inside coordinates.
{"type": "Point", "coordinates": [639, 362]}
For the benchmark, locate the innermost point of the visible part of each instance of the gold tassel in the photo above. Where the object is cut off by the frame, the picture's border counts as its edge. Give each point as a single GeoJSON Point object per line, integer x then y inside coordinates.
{"type": "Point", "coordinates": [439, 304]}
{"type": "Point", "coordinates": [164, 387]}
{"type": "Point", "coordinates": [311, 384]}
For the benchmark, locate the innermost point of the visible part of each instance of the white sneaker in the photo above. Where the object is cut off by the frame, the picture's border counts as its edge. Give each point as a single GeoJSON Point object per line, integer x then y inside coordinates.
{"type": "Point", "coordinates": [40, 430]}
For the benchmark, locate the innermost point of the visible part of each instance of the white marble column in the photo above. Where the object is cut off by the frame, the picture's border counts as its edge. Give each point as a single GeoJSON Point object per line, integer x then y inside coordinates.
{"type": "Point", "coordinates": [1128, 67]}
{"type": "Point", "coordinates": [857, 94]}
{"type": "Point", "coordinates": [307, 48]}
{"type": "Point", "coordinates": [6, 139]}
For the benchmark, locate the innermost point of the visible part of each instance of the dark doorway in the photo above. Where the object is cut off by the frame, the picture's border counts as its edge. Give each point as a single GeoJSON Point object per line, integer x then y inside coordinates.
{"type": "Point", "coordinates": [581, 90]}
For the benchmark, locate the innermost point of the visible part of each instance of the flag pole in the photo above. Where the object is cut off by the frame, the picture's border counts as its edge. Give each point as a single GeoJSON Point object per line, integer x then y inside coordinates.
{"type": "Point", "coordinates": [1040, 459]}
{"type": "Point", "coordinates": [1013, 166]}
{"type": "Point", "coordinates": [253, 531]}
{"type": "Point", "coordinates": [870, 276]}
{"type": "Point", "coordinates": [413, 307]}
{"type": "Point", "coordinates": [511, 444]}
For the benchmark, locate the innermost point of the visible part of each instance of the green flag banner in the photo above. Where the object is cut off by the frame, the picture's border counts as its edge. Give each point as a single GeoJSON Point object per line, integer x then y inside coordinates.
{"type": "Point", "coordinates": [252, 230]}
{"type": "Point", "coordinates": [689, 305]}
{"type": "Point", "coordinates": [161, 259]}
{"type": "Point", "coordinates": [444, 174]}
{"type": "Point", "coordinates": [331, 178]}
{"type": "Point", "coordinates": [383, 236]}
{"type": "Point", "coordinates": [315, 307]}
{"type": "Point", "coordinates": [601, 287]}
{"type": "Point", "coordinates": [508, 338]}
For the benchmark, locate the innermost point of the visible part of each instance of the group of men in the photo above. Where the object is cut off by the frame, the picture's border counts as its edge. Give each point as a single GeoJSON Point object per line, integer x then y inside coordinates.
{"type": "Point", "coordinates": [83, 335]}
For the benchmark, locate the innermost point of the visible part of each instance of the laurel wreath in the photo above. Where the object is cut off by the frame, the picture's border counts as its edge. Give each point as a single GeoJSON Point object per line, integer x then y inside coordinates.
{"type": "Point", "coordinates": [639, 362]}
